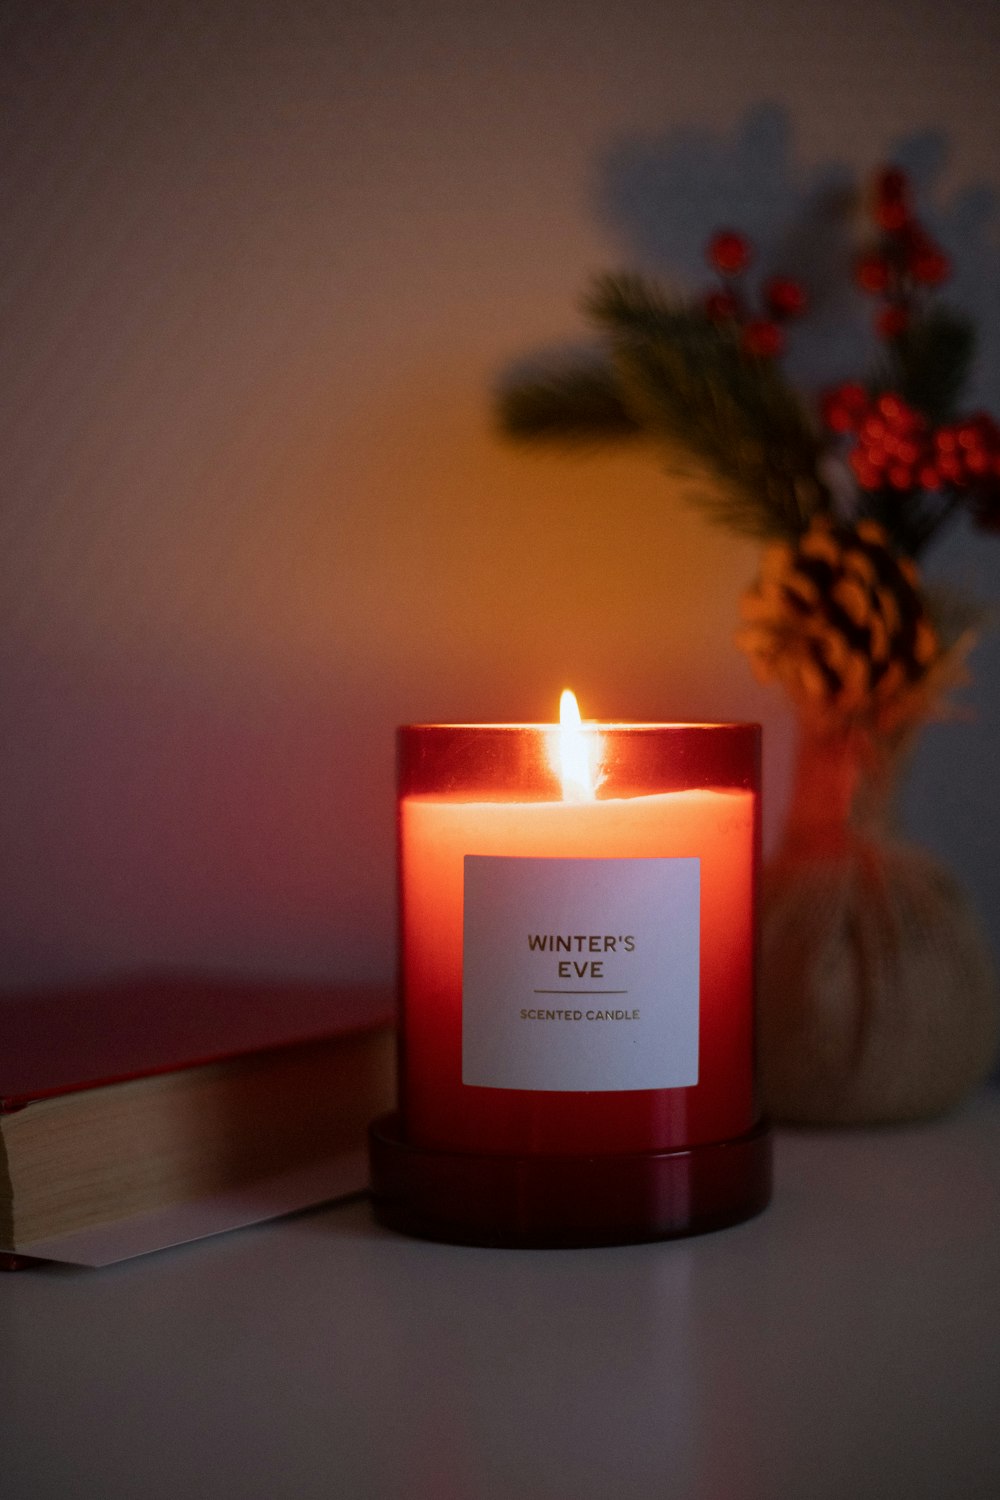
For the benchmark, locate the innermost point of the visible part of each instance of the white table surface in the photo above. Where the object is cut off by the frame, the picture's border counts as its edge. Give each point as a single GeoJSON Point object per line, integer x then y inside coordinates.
{"type": "Point", "coordinates": [845, 1345]}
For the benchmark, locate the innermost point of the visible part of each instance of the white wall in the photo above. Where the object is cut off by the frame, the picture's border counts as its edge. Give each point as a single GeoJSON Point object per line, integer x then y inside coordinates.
{"type": "Point", "coordinates": [265, 264]}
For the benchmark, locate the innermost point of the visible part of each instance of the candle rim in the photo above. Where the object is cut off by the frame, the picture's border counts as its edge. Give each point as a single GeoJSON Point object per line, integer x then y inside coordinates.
{"type": "Point", "coordinates": [593, 725]}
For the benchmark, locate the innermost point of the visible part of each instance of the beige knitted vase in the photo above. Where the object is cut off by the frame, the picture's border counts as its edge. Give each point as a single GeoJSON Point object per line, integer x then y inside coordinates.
{"type": "Point", "coordinates": [878, 995]}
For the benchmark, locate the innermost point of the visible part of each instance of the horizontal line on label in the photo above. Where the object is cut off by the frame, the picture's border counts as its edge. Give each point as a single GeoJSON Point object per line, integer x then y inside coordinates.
{"type": "Point", "coordinates": [579, 992]}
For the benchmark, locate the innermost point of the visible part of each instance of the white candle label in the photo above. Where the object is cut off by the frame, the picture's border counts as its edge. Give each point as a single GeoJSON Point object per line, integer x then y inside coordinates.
{"type": "Point", "coordinates": [580, 974]}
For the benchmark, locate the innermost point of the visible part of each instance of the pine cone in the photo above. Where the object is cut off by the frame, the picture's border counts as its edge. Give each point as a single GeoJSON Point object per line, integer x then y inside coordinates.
{"type": "Point", "coordinates": [841, 620]}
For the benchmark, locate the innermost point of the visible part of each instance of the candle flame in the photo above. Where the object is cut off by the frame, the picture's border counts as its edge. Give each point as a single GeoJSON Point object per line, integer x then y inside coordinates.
{"type": "Point", "coordinates": [575, 768]}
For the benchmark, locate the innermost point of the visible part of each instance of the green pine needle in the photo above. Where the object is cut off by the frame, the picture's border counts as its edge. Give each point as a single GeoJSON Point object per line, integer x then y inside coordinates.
{"type": "Point", "coordinates": [679, 378]}
{"type": "Point", "coordinates": [627, 306]}
{"type": "Point", "coordinates": [576, 405]}
{"type": "Point", "coordinates": [737, 419]}
{"type": "Point", "coordinates": [930, 361]}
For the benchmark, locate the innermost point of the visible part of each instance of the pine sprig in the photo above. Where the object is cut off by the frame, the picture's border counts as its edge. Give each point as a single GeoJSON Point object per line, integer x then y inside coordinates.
{"type": "Point", "coordinates": [628, 306]}
{"type": "Point", "coordinates": [736, 418]}
{"type": "Point", "coordinates": [575, 405]}
{"type": "Point", "coordinates": [681, 379]}
{"type": "Point", "coordinates": [853, 493]}
{"type": "Point", "coordinates": [930, 360]}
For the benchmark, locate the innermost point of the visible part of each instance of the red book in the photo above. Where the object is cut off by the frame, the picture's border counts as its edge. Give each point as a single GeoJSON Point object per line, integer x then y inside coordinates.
{"type": "Point", "coordinates": [142, 1112]}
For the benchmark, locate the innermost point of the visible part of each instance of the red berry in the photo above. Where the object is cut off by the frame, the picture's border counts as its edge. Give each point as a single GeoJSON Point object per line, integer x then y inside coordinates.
{"type": "Point", "coordinates": [721, 306]}
{"type": "Point", "coordinates": [844, 407]}
{"type": "Point", "coordinates": [729, 252]}
{"type": "Point", "coordinates": [853, 395]}
{"type": "Point", "coordinates": [872, 273]}
{"type": "Point", "coordinates": [785, 297]}
{"type": "Point", "coordinates": [901, 476]}
{"type": "Point", "coordinates": [893, 408]}
{"type": "Point", "coordinates": [930, 477]}
{"type": "Point", "coordinates": [891, 217]}
{"type": "Point", "coordinates": [891, 209]}
{"type": "Point", "coordinates": [951, 467]}
{"type": "Point", "coordinates": [865, 473]}
{"type": "Point", "coordinates": [763, 339]}
{"type": "Point", "coordinates": [974, 435]}
{"type": "Point", "coordinates": [892, 321]}
{"type": "Point", "coordinates": [929, 266]}
{"type": "Point", "coordinates": [908, 452]}
{"type": "Point", "coordinates": [836, 417]}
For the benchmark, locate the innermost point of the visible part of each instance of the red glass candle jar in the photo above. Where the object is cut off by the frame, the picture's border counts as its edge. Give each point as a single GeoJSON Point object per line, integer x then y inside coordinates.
{"type": "Point", "coordinates": [577, 921]}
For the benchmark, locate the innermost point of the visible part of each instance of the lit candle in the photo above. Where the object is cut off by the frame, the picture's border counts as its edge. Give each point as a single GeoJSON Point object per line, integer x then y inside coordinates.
{"type": "Point", "coordinates": [577, 982]}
